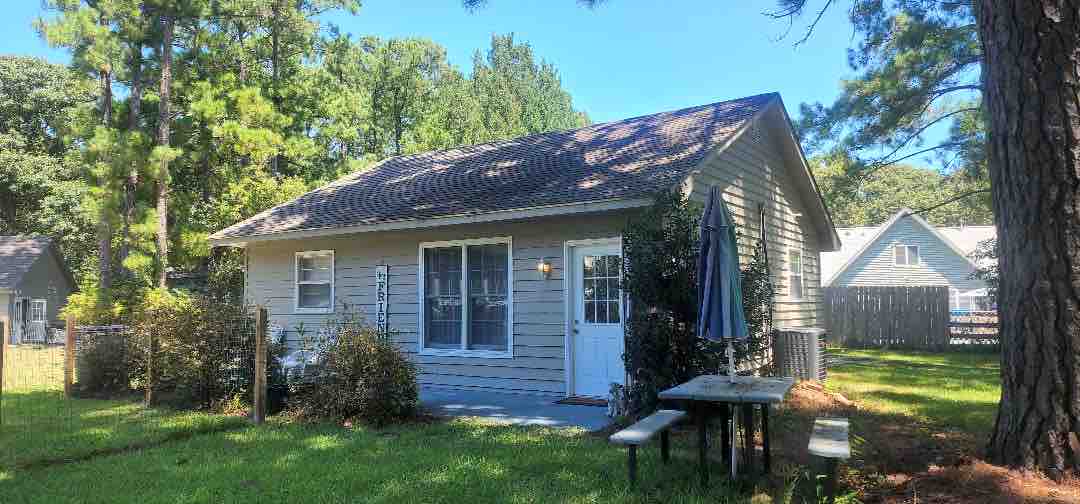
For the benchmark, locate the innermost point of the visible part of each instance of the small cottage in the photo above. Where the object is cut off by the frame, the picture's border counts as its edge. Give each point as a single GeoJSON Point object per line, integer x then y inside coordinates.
{"type": "Point", "coordinates": [498, 265]}
{"type": "Point", "coordinates": [34, 285]}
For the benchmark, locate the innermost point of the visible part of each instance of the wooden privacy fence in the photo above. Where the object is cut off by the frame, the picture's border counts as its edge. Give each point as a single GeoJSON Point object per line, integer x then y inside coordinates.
{"type": "Point", "coordinates": [878, 317]}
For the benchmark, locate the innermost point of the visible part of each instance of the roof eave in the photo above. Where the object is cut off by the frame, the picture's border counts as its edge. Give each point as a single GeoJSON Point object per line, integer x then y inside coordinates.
{"type": "Point", "coordinates": [834, 237]}
{"type": "Point", "coordinates": [449, 220]}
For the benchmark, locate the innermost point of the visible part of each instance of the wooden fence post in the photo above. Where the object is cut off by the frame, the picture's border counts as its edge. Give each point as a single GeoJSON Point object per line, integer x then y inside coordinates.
{"type": "Point", "coordinates": [151, 371]}
{"type": "Point", "coordinates": [260, 365]}
{"type": "Point", "coordinates": [5, 333]}
{"type": "Point", "coordinates": [69, 356]}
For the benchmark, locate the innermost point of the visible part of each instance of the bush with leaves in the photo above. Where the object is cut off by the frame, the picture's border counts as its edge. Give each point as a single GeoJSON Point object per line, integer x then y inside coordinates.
{"type": "Point", "coordinates": [202, 348]}
{"type": "Point", "coordinates": [660, 247]}
{"type": "Point", "coordinates": [359, 374]}
{"type": "Point", "coordinates": [104, 362]}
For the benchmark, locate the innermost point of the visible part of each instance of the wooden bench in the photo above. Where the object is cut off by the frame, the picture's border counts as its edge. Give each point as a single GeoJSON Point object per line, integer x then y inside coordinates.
{"type": "Point", "coordinates": [644, 430]}
{"type": "Point", "coordinates": [830, 441]}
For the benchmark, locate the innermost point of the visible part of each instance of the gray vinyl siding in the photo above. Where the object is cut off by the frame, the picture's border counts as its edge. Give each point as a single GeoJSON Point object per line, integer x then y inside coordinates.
{"type": "Point", "coordinates": [539, 321]}
{"type": "Point", "coordinates": [939, 264]}
{"type": "Point", "coordinates": [751, 171]}
{"type": "Point", "coordinates": [46, 280]}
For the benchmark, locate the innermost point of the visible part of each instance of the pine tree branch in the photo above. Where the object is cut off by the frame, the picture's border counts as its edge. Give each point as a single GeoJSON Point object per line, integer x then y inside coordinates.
{"type": "Point", "coordinates": [950, 200]}
{"type": "Point", "coordinates": [920, 131]}
{"type": "Point", "coordinates": [879, 165]}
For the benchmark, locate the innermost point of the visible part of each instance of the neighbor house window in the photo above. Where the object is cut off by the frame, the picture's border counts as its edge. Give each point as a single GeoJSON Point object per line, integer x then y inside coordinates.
{"type": "Point", "coordinates": [795, 274]}
{"type": "Point", "coordinates": [906, 255]}
{"type": "Point", "coordinates": [37, 310]}
{"type": "Point", "coordinates": [465, 291]}
{"type": "Point", "coordinates": [315, 281]}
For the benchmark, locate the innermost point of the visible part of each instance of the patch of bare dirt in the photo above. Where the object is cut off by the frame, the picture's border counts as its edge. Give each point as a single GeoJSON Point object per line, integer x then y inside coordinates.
{"type": "Point", "coordinates": [973, 480]}
{"type": "Point", "coordinates": [898, 460]}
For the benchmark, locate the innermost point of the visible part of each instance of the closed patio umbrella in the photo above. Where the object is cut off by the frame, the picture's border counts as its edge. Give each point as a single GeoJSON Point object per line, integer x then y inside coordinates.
{"type": "Point", "coordinates": [720, 312]}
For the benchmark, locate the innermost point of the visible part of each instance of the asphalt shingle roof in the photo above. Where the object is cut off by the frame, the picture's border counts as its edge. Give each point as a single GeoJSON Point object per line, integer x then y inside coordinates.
{"type": "Point", "coordinates": [626, 159]}
{"type": "Point", "coordinates": [17, 255]}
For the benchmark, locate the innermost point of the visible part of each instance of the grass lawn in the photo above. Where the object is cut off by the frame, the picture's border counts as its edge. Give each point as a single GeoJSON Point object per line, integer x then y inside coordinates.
{"type": "Point", "coordinates": [954, 391]}
{"type": "Point", "coordinates": [41, 428]}
{"type": "Point", "coordinates": [907, 403]}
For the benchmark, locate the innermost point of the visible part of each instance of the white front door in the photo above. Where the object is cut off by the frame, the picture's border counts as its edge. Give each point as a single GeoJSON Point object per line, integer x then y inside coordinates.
{"type": "Point", "coordinates": [597, 319]}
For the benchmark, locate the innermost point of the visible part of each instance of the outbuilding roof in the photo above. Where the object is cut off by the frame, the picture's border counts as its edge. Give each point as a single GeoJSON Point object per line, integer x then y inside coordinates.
{"type": "Point", "coordinates": [604, 166]}
{"type": "Point", "coordinates": [17, 255]}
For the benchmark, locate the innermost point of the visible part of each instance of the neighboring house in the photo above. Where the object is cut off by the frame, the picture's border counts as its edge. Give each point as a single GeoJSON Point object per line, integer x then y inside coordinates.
{"type": "Point", "coordinates": [502, 260]}
{"type": "Point", "coordinates": [34, 285]}
{"type": "Point", "coordinates": [909, 251]}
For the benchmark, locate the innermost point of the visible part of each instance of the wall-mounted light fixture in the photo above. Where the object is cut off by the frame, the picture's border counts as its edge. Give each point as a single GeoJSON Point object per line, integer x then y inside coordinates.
{"type": "Point", "coordinates": [544, 268]}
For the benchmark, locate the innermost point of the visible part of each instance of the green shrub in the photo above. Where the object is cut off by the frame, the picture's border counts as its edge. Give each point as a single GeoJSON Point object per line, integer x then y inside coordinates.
{"type": "Point", "coordinates": [203, 350]}
{"type": "Point", "coordinates": [359, 374]}
{"type": "Point", "coordinates": [103, 364]}
{"type": "Point", "coordinates": [660, 247]}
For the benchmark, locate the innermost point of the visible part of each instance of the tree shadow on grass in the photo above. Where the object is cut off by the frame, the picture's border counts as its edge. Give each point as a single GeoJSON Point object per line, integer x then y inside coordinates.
{"type": "Point", "coordinates": [457, 461]}
{"type": "Point", "coordinates": [43, 428]}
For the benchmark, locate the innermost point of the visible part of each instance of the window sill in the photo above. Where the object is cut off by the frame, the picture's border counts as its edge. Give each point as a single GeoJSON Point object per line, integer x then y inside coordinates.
{"type": "Point", "coordinates": [312, 311]}
{"type": "Point", "coordinates": [457, 352]}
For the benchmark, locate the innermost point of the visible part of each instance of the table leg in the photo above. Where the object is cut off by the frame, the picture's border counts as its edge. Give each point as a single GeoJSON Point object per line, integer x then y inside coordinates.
{"type": "Point", "coordinates": [725, 430]}
{"type": "Point", "coordinates": [703, 450]}
{"type": "Point", "coordinates": [748, 436]}
{"type": "Point", "coordinates": [766, 450]}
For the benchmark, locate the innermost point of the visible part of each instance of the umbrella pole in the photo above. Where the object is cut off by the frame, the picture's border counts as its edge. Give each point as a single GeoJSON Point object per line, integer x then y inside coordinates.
{"type": "Point", "coordinates": [730, 352]}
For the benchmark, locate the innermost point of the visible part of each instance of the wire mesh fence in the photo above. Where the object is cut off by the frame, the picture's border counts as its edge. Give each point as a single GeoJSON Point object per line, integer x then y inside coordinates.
{"type": "Point", "coordinates": [103, 389]}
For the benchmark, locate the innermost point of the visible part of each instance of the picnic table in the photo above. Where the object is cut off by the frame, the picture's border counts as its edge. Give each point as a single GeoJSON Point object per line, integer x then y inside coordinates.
{"type": "Point", "coordinates": [708, 394]}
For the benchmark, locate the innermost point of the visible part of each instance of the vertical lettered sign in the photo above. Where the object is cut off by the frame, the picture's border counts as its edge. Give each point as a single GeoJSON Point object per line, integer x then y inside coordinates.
{"type": "Point", "coordinates": [382, 279]}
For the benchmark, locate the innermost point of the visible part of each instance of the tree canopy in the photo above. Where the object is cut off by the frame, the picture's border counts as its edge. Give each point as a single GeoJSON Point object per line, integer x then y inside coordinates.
{"type": "Point", "coordinates": [265, 102]}
{"type": "Point", "coordinates": [914, 99]}
{"type": "Point", "coordinates": [872, 199]}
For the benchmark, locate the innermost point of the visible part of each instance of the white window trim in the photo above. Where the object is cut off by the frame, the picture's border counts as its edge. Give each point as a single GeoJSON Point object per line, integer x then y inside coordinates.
{"type": "Point", "coordinates": [791, 274]}
{"type": "Point", "coordinates": [421, 277]}
{"type": "Point", "coordinates": [296, 281]}
{"type": "Point", "coordinates": [907, 255]}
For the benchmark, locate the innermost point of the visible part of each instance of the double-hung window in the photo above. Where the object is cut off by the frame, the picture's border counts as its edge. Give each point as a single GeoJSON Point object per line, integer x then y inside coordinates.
{"type": "Point", "coordinates": [315, 281]}
{"type": "Point", "coordinates": [795, 274]}
{"type": "Point", "coordinates": [465, 297]}
{"type": "Point", "coordinates": [906, 255]}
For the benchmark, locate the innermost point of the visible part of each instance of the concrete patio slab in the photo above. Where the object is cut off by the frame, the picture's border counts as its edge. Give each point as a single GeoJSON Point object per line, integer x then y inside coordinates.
{"type": "Point", "coordinates": [512, 409]}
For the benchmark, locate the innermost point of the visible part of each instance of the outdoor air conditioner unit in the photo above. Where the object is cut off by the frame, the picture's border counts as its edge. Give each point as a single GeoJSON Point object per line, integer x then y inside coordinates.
{"type": "Point", "coordinates": [799, 352]}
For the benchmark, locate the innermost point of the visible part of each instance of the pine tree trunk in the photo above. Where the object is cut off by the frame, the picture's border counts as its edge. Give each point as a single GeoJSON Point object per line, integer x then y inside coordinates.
{"type": "Point", "coordinates": [104, 230]}
{"type": "Point", "coordinates": [132, 184]}
{"type": "Point", "coordinates": [1031, 90]}
{"type": "Point", "coordinates": [164, 120]}
{"type": "Point", "coordinates": [275, 67]}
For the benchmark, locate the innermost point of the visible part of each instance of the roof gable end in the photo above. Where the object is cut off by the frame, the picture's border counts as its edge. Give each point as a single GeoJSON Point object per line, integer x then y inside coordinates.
{"type": "Point", "coordinates": [883, 231]}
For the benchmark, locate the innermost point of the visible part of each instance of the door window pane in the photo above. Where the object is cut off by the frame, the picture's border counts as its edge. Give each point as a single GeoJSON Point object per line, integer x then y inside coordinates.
{"type": "Point", "coordinates": [600, 289]}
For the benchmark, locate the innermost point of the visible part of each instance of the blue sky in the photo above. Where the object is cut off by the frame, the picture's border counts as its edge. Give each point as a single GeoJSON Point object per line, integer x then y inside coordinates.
{"type": "Point", "coordinates": [624, 59]}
